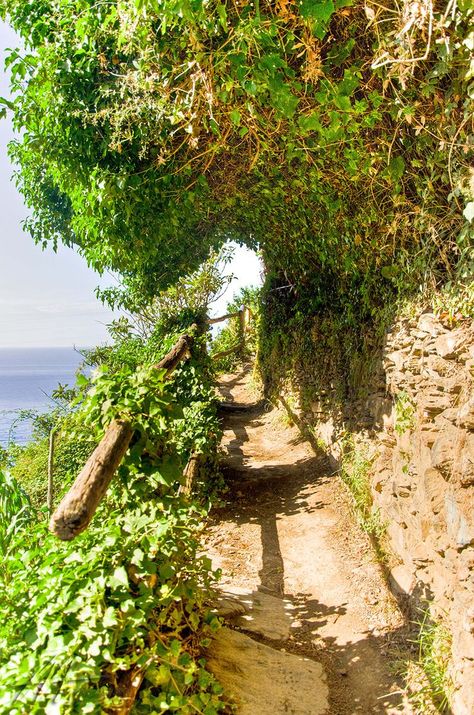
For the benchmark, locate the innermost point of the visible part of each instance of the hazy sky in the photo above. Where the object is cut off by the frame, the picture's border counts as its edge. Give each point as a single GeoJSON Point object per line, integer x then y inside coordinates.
{"type": "Point", "coordinates": [47, 298]}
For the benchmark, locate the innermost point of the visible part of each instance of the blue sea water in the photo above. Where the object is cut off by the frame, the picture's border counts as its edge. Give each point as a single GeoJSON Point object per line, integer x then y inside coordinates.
{"type": "Point", "coordinates": [27, 378]}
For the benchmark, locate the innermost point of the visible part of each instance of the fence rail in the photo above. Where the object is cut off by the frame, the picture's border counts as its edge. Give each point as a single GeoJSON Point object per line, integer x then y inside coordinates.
{"type": "Point", "coordinates": [213, 321]}
{"type": "Point", "coordinates": [79, 504]}
{"type": "Point", "coordinates": [245, 315]}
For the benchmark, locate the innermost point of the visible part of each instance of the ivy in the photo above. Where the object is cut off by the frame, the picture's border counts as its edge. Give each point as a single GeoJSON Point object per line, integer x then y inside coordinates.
{"type": "Point", "coordinates": [130, 593]}
{"type": "Point", "coordinates": [335, 135]}
{"type": "Point", "coordinates": [75, 616]}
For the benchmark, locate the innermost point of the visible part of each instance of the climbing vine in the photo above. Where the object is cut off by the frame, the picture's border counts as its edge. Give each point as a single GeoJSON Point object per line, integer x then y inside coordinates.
{"type": "Point", "coordinates": [335, 134]}
{"type": "Point", "coordinates": [129, 597]}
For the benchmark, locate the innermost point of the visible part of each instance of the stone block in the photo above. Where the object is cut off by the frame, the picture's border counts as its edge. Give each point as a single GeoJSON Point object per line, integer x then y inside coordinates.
{"type": "Point", "coordinates": [396, 533]}
{"type": "Point", "coordinates": [460, 530]}
{"type": "Point", "coordinates": [465, 415]}
{"type": "Point", "coordinates": [428, 323]}
{"type": "Point", "coordinates": [449, 416]}
{"type": "Point", "coordinates": [450, 345]}
{"type": "Point", "coordinates": [465, 644]}
{"type": "Point", "coordinates": [439, 366]}
{"type": "Point", "coordinates": [264, 680]}
{"type": "Point", "coordinates": [463, 699]}
{"type": "Point", "coordinates": [411, 377]}
{"type": "Point", "coordinates": [421, 554]}
{"type": "Point", "coordinates": [402, 580]}
{"type": "Point", "coordinates": [442, 456]}
{"type": "Point", "coordinates": [418, 347]}
{"type": "Point", "coordinates": [435, 402]}
{"type": "Point", "coordinates": [429, 434]}
{"type": "Point", "coordinates": [434, 487]}
{"type": "Point", "coordinates": [382, 411]}
{"type": "Point", "coordinates": [257, 612]}
{"type": "Point", "coordinates": [453, 385]}
{"type": "Point", "coordinates": [466, 467]}
{"type": "Point", "coordinates": [397, 358]}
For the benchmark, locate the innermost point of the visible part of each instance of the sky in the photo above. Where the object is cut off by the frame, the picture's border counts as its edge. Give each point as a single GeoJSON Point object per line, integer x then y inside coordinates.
{"type": "Point", "coordinates": [47, 299]}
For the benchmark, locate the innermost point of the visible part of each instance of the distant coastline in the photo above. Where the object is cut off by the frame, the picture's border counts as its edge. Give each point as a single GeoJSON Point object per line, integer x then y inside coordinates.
{"type": "Point", "coordinates": [27, 378]}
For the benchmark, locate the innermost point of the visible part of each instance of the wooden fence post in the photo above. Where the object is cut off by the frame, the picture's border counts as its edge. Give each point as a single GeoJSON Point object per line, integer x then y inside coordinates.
{"type": "Point", "coordinates": [244, 315]}
{"type": "Point", "coordinates": [50, 495]}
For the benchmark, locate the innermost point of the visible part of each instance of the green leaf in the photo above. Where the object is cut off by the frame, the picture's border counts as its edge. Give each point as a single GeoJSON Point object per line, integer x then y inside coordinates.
{"type": "Point", "coordinates": [110, 618]}
{"type": "Point", "coordinates": [235, 117]}
{"type": "Point", "coordinates": [250, 87]}
{"type": "Point", "coordinates": [282, 98]}
{"type": "Point", "coordinates": [194, 620]}
{"type": "Point", "coordinates": [316, 10]}
{"type": "Point", "coordinates": [119, 578]}
{"type": "Point", "coordinates": [396, 168]}
{"type": "Point", "coordinates": [343, 102]}
{"type": "Point", "coordinates": [390, 271]}
{"type": "Point", "coordinates": [7, 103]}
{"type": "Point", "coordinates": [158, 676]}
{"type": "Point", "coordinates": [166, 571]}
{"type": "Point", "coordinates": [81, 380]}
{"type": "Point", "coordinates": [310, 123]}
{"type": "Point", "coordinates": [468, 212]}
{"type": "Point", "coordinates": [222, 12]}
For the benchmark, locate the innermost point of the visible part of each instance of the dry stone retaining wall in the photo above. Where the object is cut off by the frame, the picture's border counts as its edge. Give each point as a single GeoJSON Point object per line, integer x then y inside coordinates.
{"type": "Point", "coordinates": [424, 478]}
{"type": "Point", "coordinates": [418, 420]}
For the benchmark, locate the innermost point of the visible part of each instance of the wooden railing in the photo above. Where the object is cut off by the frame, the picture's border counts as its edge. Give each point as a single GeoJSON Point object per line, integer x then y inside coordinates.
{"type": "Point", "coordinates": [245, 315]}
{"type": "Point", "coordinates": [79, 504]}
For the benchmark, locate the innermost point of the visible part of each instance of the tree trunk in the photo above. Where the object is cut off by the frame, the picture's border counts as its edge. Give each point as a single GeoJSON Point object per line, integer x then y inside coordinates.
{"type": "Point", "coordinates": [231, 350]}
{"type": "Point", "coordinates": [128, 689]}
{"type": "Point", "coordinates": [190, 474]}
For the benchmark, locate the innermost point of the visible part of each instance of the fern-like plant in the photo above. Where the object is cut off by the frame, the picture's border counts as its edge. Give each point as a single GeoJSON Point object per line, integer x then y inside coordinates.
{"type": "Point", "coordinates": [16, 511]}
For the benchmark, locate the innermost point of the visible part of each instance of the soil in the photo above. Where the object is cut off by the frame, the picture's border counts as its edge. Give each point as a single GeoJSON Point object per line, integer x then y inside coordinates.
{"type": "Point", "coordinates": [299, 576]}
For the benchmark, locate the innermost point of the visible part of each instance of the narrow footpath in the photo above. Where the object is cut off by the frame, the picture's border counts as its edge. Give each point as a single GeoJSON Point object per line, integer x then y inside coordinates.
{"type": "Point", "coordinates": [311, 627]}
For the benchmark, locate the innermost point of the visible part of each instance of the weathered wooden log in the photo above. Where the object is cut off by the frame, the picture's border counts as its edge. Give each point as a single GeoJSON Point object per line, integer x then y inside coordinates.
{"type": "Point", "coordinates": [78, 506]}
{"type": "Point", "coordinates": [245, 318]}
{"type": "Point", "coordinates": [178, 352]}
{"type": "Point", "coordinates": [231, 350]}
{"type": "Point", "coordinates": [213, 321]}
{"type": "Point", "coordinates": [190, 473]}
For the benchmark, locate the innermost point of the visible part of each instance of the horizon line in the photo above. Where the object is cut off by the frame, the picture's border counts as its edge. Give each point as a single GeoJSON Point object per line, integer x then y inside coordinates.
{"type": "Point", "coordinates": [47, 347]}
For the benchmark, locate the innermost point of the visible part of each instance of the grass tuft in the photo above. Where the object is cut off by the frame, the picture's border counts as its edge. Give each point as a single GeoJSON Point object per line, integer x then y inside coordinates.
{"type": "Point", "coordinates": [434, 655]}
{"type": "Point", "coordinates": [355, 473]}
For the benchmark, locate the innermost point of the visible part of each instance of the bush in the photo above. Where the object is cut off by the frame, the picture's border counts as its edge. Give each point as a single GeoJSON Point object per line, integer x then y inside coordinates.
{"type": "Point", "coordinates": [130, 594]}
{"type": "Point", "coordinates": [30, 463]}
{"type": "Point", "coordinates": [15, 511]}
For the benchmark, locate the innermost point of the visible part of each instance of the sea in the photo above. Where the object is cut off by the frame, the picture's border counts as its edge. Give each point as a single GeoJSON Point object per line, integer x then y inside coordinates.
{"type": "Point", "coordinates": [28, 376]}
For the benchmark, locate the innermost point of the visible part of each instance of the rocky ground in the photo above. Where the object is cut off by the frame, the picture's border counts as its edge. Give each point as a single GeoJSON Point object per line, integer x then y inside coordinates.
{"type": "Point", "coordinates": [311, 626]}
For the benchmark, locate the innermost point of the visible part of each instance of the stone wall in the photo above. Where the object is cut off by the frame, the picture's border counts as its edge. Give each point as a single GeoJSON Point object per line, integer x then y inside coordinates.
{"type": "Point", "coordinates": [424, 478]}
{"type": "Point", "coordinates": [417, 418]}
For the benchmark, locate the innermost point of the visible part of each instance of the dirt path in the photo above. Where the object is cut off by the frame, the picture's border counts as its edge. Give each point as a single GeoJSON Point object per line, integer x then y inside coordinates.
{"type": "Point", "coordinates": [311, 625]}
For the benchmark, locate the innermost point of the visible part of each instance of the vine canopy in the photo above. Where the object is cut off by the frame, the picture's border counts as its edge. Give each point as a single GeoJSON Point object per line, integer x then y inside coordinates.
{"type": "Point", "coordinates": [336, 135]}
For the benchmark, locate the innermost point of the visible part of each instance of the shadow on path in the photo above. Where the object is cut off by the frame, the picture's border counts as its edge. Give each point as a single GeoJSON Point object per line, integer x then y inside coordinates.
{"type": "Point", "coordinates": [280, 494]}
